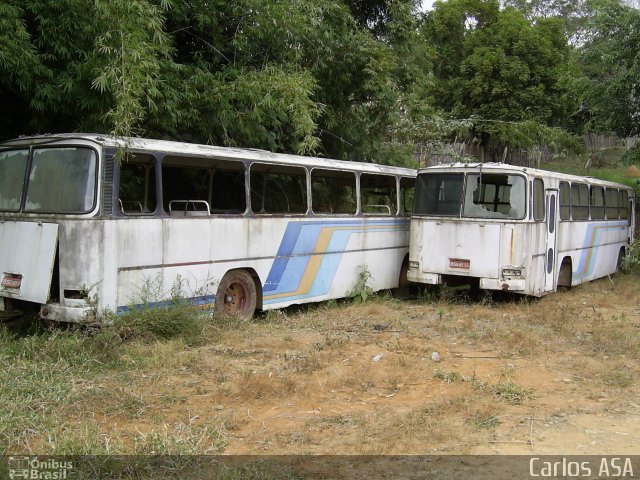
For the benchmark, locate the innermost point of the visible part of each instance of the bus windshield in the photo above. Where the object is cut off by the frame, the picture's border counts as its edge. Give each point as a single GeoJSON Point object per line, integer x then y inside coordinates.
{"type": "Point", "coordinates": [59, 180]}
{"type": "Point", "coordinates": [474, 195]}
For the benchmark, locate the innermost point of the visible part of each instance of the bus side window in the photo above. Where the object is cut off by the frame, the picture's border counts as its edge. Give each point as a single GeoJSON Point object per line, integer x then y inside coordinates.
{"type": "Point", "coordinates": [137, 193]}
{"type": "Point", "coordinates": [278, 189]}
{"type": "Point", "coordinates": [624, 204]}
{"type": "Point", "coordinates": [611, 199]}
{"type": "Point", "coordinates": [579, 201]}
{"type": "Point", "coordinates": [565, 201]}
{"type": "Point", "coordinates": [185, 190]}
{"type": "Point", "coordinates": [333, 191]}
{"type": "Point", "coordinates": [228, 195]}
{"type": "Point", "coordinates": [596, 202]}
{"type": "Point", "coordinates": [378, 194]}
{"type": "Point", "coordinates": [407, 194]}
{"type": "Point", "coordinates": [538, 200]}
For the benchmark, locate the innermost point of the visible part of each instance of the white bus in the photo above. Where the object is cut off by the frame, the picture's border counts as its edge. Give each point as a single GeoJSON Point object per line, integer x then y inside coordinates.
{"type": "Point", "coordinates": [503, 227]}
{"type": "Point", "coordinates": [92, 224]}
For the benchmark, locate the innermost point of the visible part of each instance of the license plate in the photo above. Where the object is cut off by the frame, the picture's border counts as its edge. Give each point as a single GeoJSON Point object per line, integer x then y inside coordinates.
{"type": "Point", "coordinates": [459, 263]}
{"type": "Point", "coordinates": [11, 281]}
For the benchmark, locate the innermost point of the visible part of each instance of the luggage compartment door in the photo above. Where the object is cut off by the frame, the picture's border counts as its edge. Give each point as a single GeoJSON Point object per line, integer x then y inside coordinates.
{"type": "Point", "coordinates": [27, 254]}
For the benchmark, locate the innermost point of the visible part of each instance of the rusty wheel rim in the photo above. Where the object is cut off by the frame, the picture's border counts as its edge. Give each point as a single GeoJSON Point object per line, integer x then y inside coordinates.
{"type": "Point", "coordinates": [235, 298]}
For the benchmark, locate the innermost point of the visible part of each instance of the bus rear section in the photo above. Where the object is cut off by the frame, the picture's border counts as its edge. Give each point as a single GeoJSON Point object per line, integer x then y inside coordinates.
{"type": "Point", "coordinates": [470, 227]}
{"type": "Point", "coordinates": [43, 188]}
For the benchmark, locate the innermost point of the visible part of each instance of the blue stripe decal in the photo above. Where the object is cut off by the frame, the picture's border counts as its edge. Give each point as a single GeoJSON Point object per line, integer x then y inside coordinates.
{"type": "Point", "coordinates": [591, 246]}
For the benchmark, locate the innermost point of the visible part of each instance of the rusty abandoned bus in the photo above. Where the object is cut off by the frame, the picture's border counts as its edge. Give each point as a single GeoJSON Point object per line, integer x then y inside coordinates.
{"type": "Point", "coordinates": [92, 224]}
{"type": "Point", "coordinates": [503, 227]}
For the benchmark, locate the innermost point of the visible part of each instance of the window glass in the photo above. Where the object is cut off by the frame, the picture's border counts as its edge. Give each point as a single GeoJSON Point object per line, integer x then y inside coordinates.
{"type": "Point", "coordinates": [62, 180]}
{"type": "Point", "coordinates": [596, 202]}
{"type": "Point", "coordinates": [493, 195]}
{"type": "Point", "coordinates": [13, 166]}
{"type": "Point", "coordinates": [579, 201]}
{"type": "Point", "coordinates": [333, 191]}
{"type": "Point", "coordinates": [407, 193]}
{"type": "Point", "coordinates": [624, 204]}
{"type": "Point", "coordinates": [278, 189]}
{"type": "Point", "coordinates": [378, 194]}
{"type": "Point", "coordinates": [538, 199]}
{"type": "Point", "coordinates": [552, 214]}
{"type": "Point", "coordinates": [137, 194]}
{"type": "Point", "coordinates": [439, 194]}
{"type": "Point", "coordinates": [565, 201]}
{"type": "Point", "coordinates": [611, 201]}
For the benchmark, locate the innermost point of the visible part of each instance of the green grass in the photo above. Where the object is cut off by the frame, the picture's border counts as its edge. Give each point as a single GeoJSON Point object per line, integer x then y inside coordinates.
{"type": "Point", "coordinates": [44, 373]}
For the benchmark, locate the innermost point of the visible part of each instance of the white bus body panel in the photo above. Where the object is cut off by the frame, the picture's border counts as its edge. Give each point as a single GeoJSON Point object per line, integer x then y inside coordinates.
{"type": "Point", "coordinates": [296, 260]}
{"type": "Point", "coordinates": [479, 249]}
{"type": "Point", "coordinates": [27, 254]}
{"type": "Point", "coordinates": [592, 246]}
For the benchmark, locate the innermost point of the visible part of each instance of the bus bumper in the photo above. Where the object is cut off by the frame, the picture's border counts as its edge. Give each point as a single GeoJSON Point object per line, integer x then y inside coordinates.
{"type": "Point", "coordinates": [508, 285]}
{"type": "Point", "coordinates": [58, 313]}
{"type": "Point", "coordinates": [413, 275]}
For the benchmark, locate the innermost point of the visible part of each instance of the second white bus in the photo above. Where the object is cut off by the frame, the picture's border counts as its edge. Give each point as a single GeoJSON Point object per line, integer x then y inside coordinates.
{"type": "Point", "coordinates": [503, 227]}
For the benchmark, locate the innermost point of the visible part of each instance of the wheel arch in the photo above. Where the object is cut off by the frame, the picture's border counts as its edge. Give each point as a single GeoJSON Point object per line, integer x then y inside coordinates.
{"type": "Point", "coordinates": [565, 276]}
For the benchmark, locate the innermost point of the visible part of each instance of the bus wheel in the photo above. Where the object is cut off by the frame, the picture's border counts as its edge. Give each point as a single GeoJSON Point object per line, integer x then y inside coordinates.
{"type": "Point", "coordinates": [236, 295]}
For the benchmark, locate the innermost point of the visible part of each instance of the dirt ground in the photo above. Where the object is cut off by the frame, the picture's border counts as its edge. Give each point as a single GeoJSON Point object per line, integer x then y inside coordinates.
{"type": "Point", "coordinates": [556, 375]}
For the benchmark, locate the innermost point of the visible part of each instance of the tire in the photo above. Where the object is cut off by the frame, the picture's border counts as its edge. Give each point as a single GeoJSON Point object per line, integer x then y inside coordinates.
{"type": "Point", "coordinates": [236, 295]}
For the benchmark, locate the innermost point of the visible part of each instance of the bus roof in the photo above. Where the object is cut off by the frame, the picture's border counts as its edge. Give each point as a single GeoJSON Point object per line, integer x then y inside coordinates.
{"type": "Point", "coordinates": [208, 151]}
{"type": "Point", "coordinates": [507, 168]}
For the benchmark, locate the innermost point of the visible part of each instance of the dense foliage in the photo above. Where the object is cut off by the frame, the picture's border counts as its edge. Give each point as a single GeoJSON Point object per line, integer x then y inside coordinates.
{"type": "Point", "coordinates": [353, 79]}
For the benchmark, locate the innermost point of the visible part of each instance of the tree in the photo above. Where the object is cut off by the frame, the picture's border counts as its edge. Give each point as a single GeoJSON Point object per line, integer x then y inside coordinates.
{"type": "Point", "coordinates": [294, 75]}
{"type": "Point", "coordinates": [611, 86]}
{"type": "Point", "coordinates": [496, 68]}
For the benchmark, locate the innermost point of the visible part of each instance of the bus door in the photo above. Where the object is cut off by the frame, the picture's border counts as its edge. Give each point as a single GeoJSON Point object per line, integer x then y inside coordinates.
{"type": "Point", "coordinates": [552, 228]}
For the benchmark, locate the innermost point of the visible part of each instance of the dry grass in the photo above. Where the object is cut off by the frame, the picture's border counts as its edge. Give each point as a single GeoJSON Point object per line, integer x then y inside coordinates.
{"type": "Point", "coordinates": [330, 378]}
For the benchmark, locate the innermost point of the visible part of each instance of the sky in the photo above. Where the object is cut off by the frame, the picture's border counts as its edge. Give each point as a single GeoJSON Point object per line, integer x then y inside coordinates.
{"type": "Point", "coordinates": [426, 5]}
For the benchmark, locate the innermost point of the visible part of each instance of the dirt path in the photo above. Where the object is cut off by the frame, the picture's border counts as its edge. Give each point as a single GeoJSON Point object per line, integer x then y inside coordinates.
{"type": "Point", "coordinates": [556, 375]}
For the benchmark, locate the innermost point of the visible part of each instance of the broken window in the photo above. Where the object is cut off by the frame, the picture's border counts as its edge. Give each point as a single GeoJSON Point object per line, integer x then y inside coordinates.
{"type": "Point", "coordinates": [137, 193]}
{"type": "Point", "coordinates": [494, 195]}
{"type": "Point", "coordinates": [378, 194]}
{"type": "Point", "coordinates": [333, 191]}
{"type": "Point", "coordinates": [624, 204]}
{"type": "Point", "coordinates": [193, 186]}
{"type": "Point", "coordinates": [278, 189]}
{"type": "Point", "coordinates": [407, 193]}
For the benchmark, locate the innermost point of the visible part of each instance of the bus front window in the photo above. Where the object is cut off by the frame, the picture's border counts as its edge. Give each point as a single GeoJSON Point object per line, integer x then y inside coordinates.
{"type": "Point", "coordinates": [61, 180]}
{"type": "Point", "coordinates": [13, 165]}
{"type": "Point", "coordinates": [494, 195]}
{"type": "Point", "coordinates": [439, 194]}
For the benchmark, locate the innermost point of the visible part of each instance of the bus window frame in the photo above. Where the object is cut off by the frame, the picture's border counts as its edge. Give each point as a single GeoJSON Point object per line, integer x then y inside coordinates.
{"type": "Point", "coordinates": [391, 213]}
{"type": "Point", "coordinates": [157, 164]}
{"type": "Point", "coordinates": [356, 183]}
{"type": "Point", "coordinates": [25, 183]}
{"type": "Point", "coordinates": [275, 165]}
